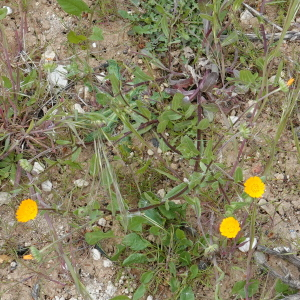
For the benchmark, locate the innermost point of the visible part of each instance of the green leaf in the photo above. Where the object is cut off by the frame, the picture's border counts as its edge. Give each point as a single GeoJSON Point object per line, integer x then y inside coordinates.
{"type": "Point", "coordinates": [120, 298]}
{"type": "Point", "coordinates": [136, 223]}
{"type": "Point", "coordinates": [238, 175]}
{"type": "Point", "coordinates": [194, 272]}
{"type": "Point", "coordinates": [94, 237]}
{"type": "Point", "coordinates": [180, 234]}
{"type": "Point", "coordinates": [135, 242]}
{"type": "Point", "coordinates": [161, 127]}
{"type": "Point", "coordinates": [140, 74]}
{"type": "Point", "coordinates": [239, 288]}
{"type": "Point", "coordinates": [6, 81]}
{"type": "Point", "coordinates": [74, 7]}
{"type": "Point", "coordinates": [135, 258]}
{"type": "Point", "coordinates": [176, 190]}
{"type": "Point", "coordinates": [187, 294]}
{"type": "Point", "coordinates": [139, 293]}
{"type": "Point", "coordinates": [188, 148]}
{"type": "Point", "coordinates": [146, 277]}
{"type": "Point", "coordinates": [203, 124]}
{"type": "Point", "coordinates": [3, 13]}
{"type": "Point", "coordinates": [37, 255]}
{"type": "Point", "coordinates": [185, 259]}
{"type": "Point", "coordinates": [25, 165]}
{"type": "Point", "coordinates": [75, 39]}
{"type": "Point", "coordinates": [97, 34]}
{"type": "Point", "coordinates": [174, 284]}
{"type": "Point", "coordinates": [232, 38]}
{"type": "Point", "coordinates": [170, 176]}
{"type": "Point", "coordinates": [164, 26]}
{"type": "Point", "coordinates": [62, 142]}
{"type": "Point", "coordinates": [177, 101]}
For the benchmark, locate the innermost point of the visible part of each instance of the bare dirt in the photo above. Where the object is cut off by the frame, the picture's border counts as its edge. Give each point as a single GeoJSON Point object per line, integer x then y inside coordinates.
{"type": "Point", "coordinates": [20, 279]}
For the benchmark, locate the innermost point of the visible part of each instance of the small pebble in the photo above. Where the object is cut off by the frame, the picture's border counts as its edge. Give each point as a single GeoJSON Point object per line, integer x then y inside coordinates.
{"type": "Point", "coordinates": [96, 255]}
{"type": "Point", "coordinates": [81, 183]}
{"type": "Point", "coordinates": [4, 198]}
{"type": "Point", "coordinates": [37, 168]}
{"type": "Point", "coordinates": [102, 222]}
{"type": "Point", "coordinates": [150, 152]}
{"type": "Point", "coordinates": [107, 263]}
{"type": "Point", "coordinates": [150, 297]}
{"type": "Point", "coordinates": [47, 186]}
{"type": "Point", "coordinates": [161, 193]}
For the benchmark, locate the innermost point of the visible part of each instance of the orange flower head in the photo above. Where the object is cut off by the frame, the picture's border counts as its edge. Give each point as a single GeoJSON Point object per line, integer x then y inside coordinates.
{"type": "Point", "coordinates": [290, 82]}
{"type": "Point", "coordinates": [230, 227]}
{"type": "Point", "coordinates": [254, 187]}
{"type": "Point", "coordinates": [27, 210]}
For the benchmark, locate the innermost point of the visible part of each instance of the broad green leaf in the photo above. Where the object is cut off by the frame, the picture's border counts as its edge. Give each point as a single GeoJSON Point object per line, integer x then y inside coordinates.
{"type": "Point", "coordinates": [203, 124]}
{"type": "Point", "coordinates": [238, 175]}
{"type": "Point", "coordinates": [187, 147]}
{"type": "Point", "coordinates": [135, 258]}
{"type": "Point", "coordinates": [135, 242]}
{"type": "Point", "coordinates": [162, 125]}
{"type": "Point", "coordinates": [94, 237]}
{"type": "Point", "coordinates": [3, 13]}
{"type": "Point", "coordinates": [74, 38]}
{"type": "Point", "coordinates": [146, 277]}
{"type": "Point", "coordinates": [180, 234]}
{"type": "Point", "coordinates": [74, 7]}
{"type": "Point", "coordinates": [177, 101]}
{"type": "Point", "coordinates": [187, 294]}
{"type": "Point", "coordinates": [174, 284]}
{"type": "Point", "coordinates": [97, 34]}
{"type": "Point", "coordinates": [239, 288]}
{"type": "Point", "coordinates": [140, 292]}
{"type": "Point", "coordinates": [194, 272]}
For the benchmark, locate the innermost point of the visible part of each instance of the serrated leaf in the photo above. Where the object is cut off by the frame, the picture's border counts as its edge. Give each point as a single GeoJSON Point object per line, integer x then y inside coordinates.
{"type": "Point", "coordinates": [97, 34]}
{"type": "Point", "coordinates": [74, 38]}
{"type": "Point", "coordinates": [74, 7]}
{"type": "Point", "coordinates": [25, 165]}
{"type": "Point", "coordinates": [92, 238]}
{"type": "Point", "coordinates": [188, 148]}
{"type": "Point", "coordinates": [135, 242]}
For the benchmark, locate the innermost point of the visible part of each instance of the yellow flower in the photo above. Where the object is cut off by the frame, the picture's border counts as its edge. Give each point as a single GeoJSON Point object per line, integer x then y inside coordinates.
{"type": "Point", "coordinates": [230, 227]}
{"type": "Point", "coordinates": [27, 210]}
{"type": "Point", "coordinates": [254, 187]}
{"type": "Point", "coordinates": [290, 82]}
{"type": "Point", "coordinates": [27, 257]}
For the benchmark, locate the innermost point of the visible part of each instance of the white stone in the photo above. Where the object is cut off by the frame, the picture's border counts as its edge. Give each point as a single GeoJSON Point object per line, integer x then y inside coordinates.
{"type": "Point", "coordinates": [81, 183]}
{"type": "Point", "coordinates": [233, 119]}
{"type": "Point", "coordinates": [37, 168]}
{"type": "Point", "coordinates": [4, 198]}
{"type": "Point", "coordinates": [107, 263]}
{"type": "Point", "coordinates": [58, 77]}
{"type": "Point", "coordinates": [246, 16]}
{"type": "Point", "coordinates": [94, 45]}
{"type": "Point", "coordinates": [102, 222]}
{"type": "Point", "coordinates": [9, 10]}
{"type": "Point", "coordinates": [246, 246]}
{"type": "Point", "coordinates": [159, 151]}
{"type": "Point", "coordinates": [47, 186]}
{"type": "Point", "coordinates": [79, 108]}
{"type": "Point", "coordinates": [150, 297]}
{"type": "Point", "coordinates": [101, 77]}
{"type": "Point", "coordinates": [150, 152]}
{"type": "Point", "coordinates": [96, 255]}
{"type": "Point", "coordinates": [110, 289]}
